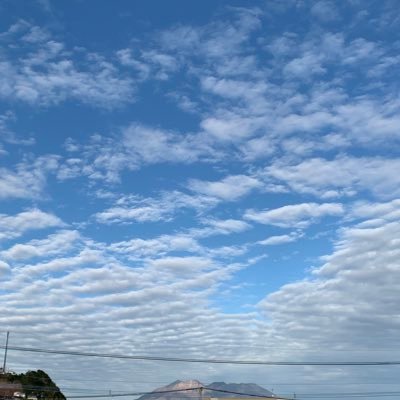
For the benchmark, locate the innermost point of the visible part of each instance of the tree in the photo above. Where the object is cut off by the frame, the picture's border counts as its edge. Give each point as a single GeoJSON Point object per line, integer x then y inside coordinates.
{"type": "Point", "coordinates": [38, 384]}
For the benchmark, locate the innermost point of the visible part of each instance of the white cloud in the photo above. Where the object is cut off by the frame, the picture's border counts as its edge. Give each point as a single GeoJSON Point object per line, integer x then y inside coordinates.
{"type": "Point", "coordinates": [249, 93]}
{"type": "Point", "coordinates": [370, 121]}
{"type": "Point", "coordinates": [36, 34]}
{"type": "Point", "coordinates": [54, 244]}
{"type": "Point", "coordinates": [226, 226]}
{"type": "Point", "coordinates": [161, 208]}
{"type": "Point", "coordinates": [217, 40]}
{"type": "Point", "coordinates": [150, 145]}
{"type": "Point", "coordinates": [14, 185]}
{"type": "Point", "coordinates": [182, 265]}
{"type": "Point", "coordinates": [127, 59]}
{"type": "Point", "coordinates": [256, 116]}
{"type": "Point", "coordinates": [164, 64]}
{"type": "Point", "coordinates": [138, 248]}
{"type": "Point", "coordinates": [12, 226]}
{"type": "Point", "coordinates": [45, 73]}
{"type": "Point", "coordinates": [344, 175]}
{"type": "Point", "coordinates": [357, 282]}
{"type": "Point", "coordinates": [296, 215]}
{"type": "Point", "coordinates": [306, 66]}
{"type": "Point", "coordinates": [4, 267]}
{"type": "Point", "coordinates": [135, 146]}
{"type": "Point", "coordinates": [261, 147]}
{"type": "Point", "coordinates": [229, 88]}
{"type": "Point", "coordinates": [28, 180]}
{"type": "Point", "coordinates": [8, 136]}
{"type": "Point", "coordinates": [230, 188]}
{"type": "Point", "coordinates": [324, 10]}
{"type": "Point", "coordinates": [383, 211]}
{"type": "Point", "coordinates": [280, 239]}
{"type": "Point", "coordinates": [140, 214]}
{"type": "Point", "coordinates": [230, 127]}
{"type": "Point", "coordinates": [61, 265]}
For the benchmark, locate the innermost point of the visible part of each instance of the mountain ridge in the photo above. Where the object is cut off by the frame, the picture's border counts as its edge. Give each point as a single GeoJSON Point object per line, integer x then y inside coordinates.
{"type": "Point", "coordinates": [247, 389]}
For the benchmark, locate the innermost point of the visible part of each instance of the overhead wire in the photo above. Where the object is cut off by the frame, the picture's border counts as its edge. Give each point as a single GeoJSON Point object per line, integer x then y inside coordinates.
{"type": "Point", "coordinates": [276, 397]}
{"type": "Point", "coordinates": [259, 383]}
{"type": "Point", "coordinates": [327, 395]}
{"type": "Point", "coordinates": [202, 360]}
{"type": "Point", "coordinates": [223, 361]}
{"type": "Point", "coordinates": [175, 391]}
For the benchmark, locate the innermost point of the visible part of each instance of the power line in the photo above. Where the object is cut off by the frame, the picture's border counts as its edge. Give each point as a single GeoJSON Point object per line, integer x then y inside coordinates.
{"type": "Point", "coordinates": [174, 391]}
{"type": "Point", "coordinates": [203, 360]}
{"type": "Point", "coordinates": [328, 395]}
{"type": "Point", "coordinates": [298, 396]}
{"type": "Point", "coordinates": [369, 393]}
{"type": "Point", "coordinates": [135, 393]}
{"type": "Point", "coordinates": [348, 395]}
{"type": "Point", "coordinates": [237, 393]}
{"type": "Point", "coordinates": [259, 383]}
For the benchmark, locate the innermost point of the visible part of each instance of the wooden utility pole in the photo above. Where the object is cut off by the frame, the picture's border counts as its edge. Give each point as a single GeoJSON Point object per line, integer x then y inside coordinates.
{"type": "Point", "coordinates": [5, 353]}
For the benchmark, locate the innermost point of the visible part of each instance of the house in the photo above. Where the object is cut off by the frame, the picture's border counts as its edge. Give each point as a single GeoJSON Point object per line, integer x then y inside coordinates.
{"type": "Point", "coordinates": [7, 390]}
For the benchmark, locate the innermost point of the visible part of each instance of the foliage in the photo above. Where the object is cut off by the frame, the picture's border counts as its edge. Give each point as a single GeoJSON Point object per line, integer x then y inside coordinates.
{"type": "Point", "coordinates": [38, 384]}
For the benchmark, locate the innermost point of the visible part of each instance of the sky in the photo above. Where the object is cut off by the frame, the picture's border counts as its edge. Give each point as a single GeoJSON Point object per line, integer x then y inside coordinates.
{"type": "Point", "coordinates": [214, 179]}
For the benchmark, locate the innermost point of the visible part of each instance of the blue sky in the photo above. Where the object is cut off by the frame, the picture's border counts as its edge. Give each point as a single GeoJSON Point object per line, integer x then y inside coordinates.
{"type": "Point", "coordinates": [167, 167]}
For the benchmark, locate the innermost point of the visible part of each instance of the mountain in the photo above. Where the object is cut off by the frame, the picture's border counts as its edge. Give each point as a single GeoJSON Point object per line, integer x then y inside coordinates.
{"type": "Point", "coordinates": [177, 385]}
{"type": "Point", "coordinates": [247, 388]}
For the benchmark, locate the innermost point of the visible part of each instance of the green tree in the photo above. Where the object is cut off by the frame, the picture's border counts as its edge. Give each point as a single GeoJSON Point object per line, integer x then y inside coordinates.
{"type": "Point", "coordinates": [38, 384]}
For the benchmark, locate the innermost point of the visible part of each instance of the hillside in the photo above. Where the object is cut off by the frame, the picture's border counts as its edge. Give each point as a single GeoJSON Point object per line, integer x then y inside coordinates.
{"type": "Point", "coordinates": [32, 383]}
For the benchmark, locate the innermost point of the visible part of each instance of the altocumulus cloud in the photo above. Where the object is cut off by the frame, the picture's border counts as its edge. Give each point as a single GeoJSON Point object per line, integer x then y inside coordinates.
{"type": "Point", "coordinates": [239, 201]}
{"type": "Point", "coordinates": [296, 215]}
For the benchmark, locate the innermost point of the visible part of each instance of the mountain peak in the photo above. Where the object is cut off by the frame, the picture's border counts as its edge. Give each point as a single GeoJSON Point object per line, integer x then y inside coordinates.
{"type": "Point", "coordinates": [188, 384]}
{"type": "Point", "coordinates": [235, 388]}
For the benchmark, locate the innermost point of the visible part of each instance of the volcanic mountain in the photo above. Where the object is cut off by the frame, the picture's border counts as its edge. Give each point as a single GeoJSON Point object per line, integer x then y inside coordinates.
{"type": "Point", "coordinates": [247, 388]}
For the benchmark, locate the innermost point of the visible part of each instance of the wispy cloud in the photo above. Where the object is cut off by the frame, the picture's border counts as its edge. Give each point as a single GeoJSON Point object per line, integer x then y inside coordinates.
{"type": "Point", "coordinates": [153, 209]}
{"type": "Point", "coordinates": [296, 215]}
{"type": "Point", "coordinates": [28, 179]}
{"type": "Point", "coordinates": [133, 147]}
{"type": "Point", "coordinates": [230, 188]}
{"type": "Point", "coordinates": [280, 239]}
{"type": "Point", "coordinates": [46, 73]}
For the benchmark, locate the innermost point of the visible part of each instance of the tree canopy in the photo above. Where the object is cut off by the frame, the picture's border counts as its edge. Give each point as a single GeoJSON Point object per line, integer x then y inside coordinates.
{"type": "Point", "coordinates": [38, 384]}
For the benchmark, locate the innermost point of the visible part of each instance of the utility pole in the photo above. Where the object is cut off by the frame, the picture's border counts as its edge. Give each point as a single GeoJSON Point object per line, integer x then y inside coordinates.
{"type": "Point", "coordinates": [5, 353]}
{"type": "Point", "coordinates": [201, 392]}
